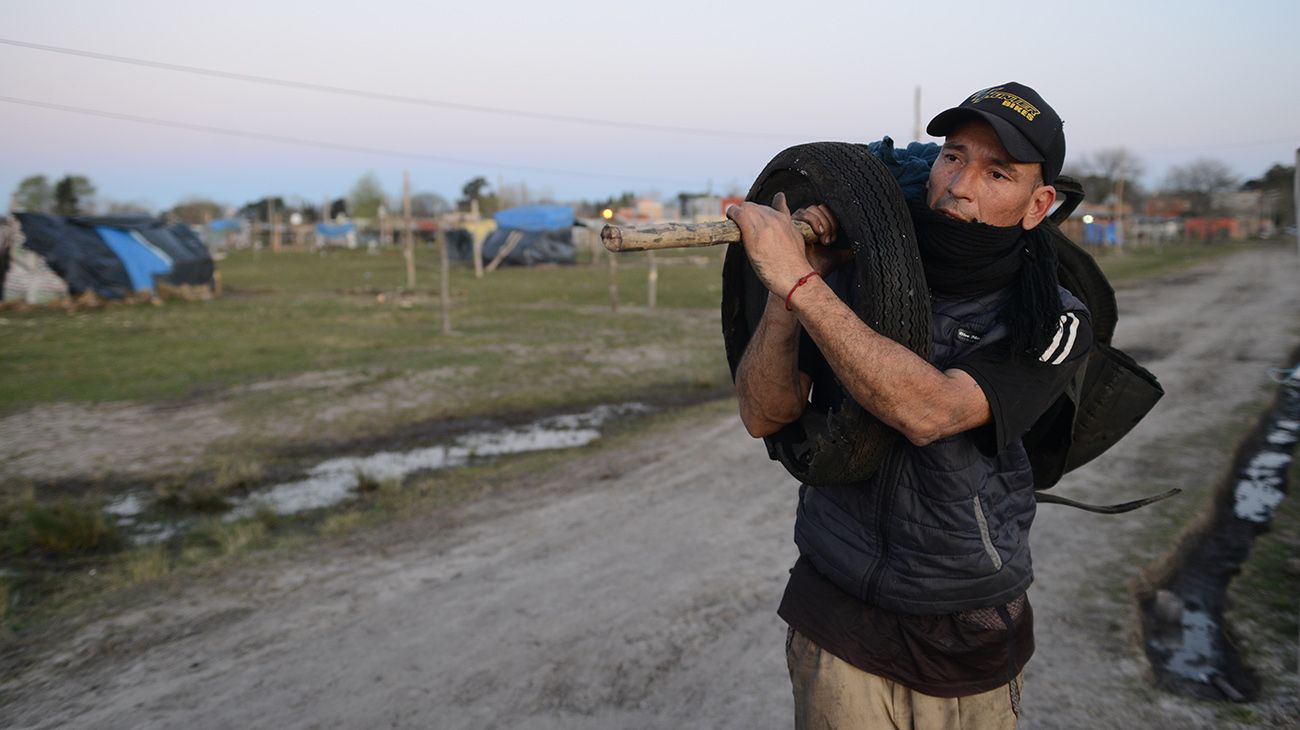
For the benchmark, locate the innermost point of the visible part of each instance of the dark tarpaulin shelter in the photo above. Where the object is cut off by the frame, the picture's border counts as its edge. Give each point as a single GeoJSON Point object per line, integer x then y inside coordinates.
{"type": "Point", "coordinates": [116, 255]}
{"type": "Point", "coordinates": [532, 234]}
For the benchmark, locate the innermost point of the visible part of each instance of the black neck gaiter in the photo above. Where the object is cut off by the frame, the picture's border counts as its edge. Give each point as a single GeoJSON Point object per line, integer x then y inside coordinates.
{"type": "Point", "coordinates": [972, 259]}
{"type": "Point", "coordinates": [965, 259]}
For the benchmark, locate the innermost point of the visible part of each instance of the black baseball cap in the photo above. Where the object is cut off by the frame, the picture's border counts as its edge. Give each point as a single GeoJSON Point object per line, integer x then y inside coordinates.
{"type": "Point", "coordinates": [1029, 128]}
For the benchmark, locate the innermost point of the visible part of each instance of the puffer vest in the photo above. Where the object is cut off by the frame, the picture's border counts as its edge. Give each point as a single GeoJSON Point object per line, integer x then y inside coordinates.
{"type": "Point", "coordinates": [939, 528]}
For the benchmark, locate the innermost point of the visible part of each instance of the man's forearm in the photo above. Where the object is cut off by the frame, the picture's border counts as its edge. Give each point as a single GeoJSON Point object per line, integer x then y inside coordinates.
{"type": "Point", "coordinates": [769, 387]}
{"type": "Point", "coordinates": [889, 380]}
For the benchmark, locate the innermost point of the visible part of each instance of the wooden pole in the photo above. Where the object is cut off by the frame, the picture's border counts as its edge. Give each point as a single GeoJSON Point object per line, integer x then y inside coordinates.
{"type": "Point", "coordinates": [1297, 199]}
{"type": "Point", "coordinates": [408, 235]}
{"type": "Point", "coordinates": [613, 283]}
{"type": "Point", "coordinates": [654, 236]}
{"type": "Point", "coordinates": [478, 254]}
{"type": "Point", "coordinates": [652, 281]}
{"type": "Point", "coordinates": [1119, 213]}
{"type": "Point", "coordinates": [444, 283]}
{"type": "Point", "coordinates": [272, 218]}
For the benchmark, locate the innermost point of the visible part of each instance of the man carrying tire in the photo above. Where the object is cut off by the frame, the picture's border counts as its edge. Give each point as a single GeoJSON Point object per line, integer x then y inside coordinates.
{"type": "Point", "coordinates": [907, 606]}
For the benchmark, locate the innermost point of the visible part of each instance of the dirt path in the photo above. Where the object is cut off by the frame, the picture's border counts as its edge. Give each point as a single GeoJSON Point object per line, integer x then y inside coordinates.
{"type": "Point", "coordinates": [638, 589]}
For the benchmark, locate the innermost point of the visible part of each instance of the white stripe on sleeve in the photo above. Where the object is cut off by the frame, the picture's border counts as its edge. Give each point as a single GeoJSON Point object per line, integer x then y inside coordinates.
{"type": "Point", "coordinates": [1069, 343]}
{"type": "Point", "coordinates": [1057, 351]}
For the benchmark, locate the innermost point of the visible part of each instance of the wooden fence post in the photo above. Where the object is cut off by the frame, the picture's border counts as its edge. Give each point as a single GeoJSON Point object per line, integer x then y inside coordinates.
{"type": "Point", "coordinates": [444, 284]}
{"type": "Point", "coordinates": [613, 283]}
{"type": "Point", "coordinates": [408, 235]}
{"type": "Point", "coordinates": [272, 216]}
{"type": "Point", "coordinates": [652, 281]}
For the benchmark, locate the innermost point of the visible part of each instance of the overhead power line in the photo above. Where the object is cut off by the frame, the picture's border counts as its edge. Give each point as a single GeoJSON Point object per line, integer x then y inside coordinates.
{"type": "Point", "coordinates": [395, 98]}
{"type": "Point", "coordinates": [336, 146]}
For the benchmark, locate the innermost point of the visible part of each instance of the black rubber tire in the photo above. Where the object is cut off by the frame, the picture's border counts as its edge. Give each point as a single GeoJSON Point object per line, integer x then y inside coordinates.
{"type": "Point", "coordinates": [844, 444]}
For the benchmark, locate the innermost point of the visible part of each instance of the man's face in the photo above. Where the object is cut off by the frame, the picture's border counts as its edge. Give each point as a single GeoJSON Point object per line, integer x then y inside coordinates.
{"type": "Point", "coordinates": [975, 179]}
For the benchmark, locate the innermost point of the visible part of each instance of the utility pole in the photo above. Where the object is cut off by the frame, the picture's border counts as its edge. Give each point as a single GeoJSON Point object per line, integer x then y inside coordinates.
{"type": "Point", "coordinates": [1296, 177]}
{"type": "Point", "coordinates": [408, 236]}
{"type": "Point", "coordinates": [1119, 213]}
{"type": "Point", "coordinates": [916, 115]}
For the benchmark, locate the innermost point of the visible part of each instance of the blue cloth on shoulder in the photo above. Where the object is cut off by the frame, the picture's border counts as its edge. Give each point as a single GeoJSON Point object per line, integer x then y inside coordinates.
{"type": "Point", "coordinates": [910, 166]}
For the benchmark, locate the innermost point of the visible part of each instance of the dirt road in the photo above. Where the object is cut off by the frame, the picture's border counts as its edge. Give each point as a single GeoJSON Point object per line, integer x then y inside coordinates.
{"type": "Point", "coordinates": [638, 588]}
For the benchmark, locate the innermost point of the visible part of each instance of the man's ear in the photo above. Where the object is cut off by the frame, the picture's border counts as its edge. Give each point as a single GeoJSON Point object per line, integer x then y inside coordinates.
{"type": "Point", "coordinates": [1040, 204]}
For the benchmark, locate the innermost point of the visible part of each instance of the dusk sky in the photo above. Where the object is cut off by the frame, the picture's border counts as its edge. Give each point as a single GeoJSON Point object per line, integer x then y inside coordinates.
{"type": "Point", "coordinates": [1171, 81]}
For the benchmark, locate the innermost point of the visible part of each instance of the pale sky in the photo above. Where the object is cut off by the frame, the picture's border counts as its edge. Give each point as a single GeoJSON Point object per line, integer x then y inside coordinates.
{"type": "Point", "coordinates": [1171, 81]}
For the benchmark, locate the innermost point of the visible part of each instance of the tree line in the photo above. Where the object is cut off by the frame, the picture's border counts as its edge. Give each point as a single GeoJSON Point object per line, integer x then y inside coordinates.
{"type": "Point", "coordinates": [1107, 175]}
{"type": "Point", "coordinates": [1112, 174]}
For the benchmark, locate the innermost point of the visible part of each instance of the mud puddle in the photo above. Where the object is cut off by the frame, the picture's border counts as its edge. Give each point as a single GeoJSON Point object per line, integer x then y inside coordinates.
{"type": "Point", "coordinates": [340, 479]}
{"type": "Point", "coordinates": [1187, 641]}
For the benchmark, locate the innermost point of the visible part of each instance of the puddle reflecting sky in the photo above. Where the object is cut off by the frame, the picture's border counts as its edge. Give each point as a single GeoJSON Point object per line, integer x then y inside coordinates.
{"type": "Point", "coordinates": [335, 480]}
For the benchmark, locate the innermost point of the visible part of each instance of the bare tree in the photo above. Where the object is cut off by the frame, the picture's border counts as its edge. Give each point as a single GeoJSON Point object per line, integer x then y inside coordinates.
{"type": "Point", "coordinates": [1199, 181]}
{"type": "Point", "coordinates": [195, 211]}
{"type": "Point", "coordinates": [1112, 171]}
{"type": "Point", "coordinates": [428, 205]}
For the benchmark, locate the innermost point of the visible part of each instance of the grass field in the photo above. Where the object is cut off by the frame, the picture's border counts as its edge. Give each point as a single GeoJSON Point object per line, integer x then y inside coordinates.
{"type": "Point", "coordinates": [523, 338]}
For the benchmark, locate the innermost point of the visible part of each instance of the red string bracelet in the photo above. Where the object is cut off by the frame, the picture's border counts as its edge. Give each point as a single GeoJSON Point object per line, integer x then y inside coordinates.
{"type": "Point", "coordinates": [803, 280]}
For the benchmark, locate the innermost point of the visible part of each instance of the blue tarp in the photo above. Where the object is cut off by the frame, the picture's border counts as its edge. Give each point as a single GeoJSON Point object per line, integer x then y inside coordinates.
{"type": "Point", "coordinates": [142, 261]}
{"type": "Point", "coordinates": [334, 230]}
{"type": "Point", "coordinates": [226, 224]}
{"type": "Point", "coordinates": [536, 217]}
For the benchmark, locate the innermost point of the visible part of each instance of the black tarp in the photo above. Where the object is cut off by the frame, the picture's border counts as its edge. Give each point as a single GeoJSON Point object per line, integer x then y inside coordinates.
{"type": "Point", "coordinates": [75, 251]}
{"type": "Point", "coordinates": [460, 245]}
{"type": "Point", "coordinates": [531, 247]}
{"type": "Point", "coordinates": [191, 263]}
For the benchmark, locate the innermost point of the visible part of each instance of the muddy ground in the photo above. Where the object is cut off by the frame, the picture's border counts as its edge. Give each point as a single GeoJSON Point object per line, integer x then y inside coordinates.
{"type": "Point", "coordinates": [637, 587]}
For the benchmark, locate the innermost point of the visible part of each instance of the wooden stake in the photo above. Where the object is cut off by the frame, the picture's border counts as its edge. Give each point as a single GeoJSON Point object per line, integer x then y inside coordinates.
{"type": "Point", "coordinates": [444, 283]}
{"type": "Point", "coordinates": [613, 283]}
{"type": "Point", "coordinates": [652, 281]}
{"type": "Point", "coordinates": [271, 215]}
{"type": "Point", "coordinates": [408, 235]}
{"type": "Point", "coordinates": [512, 239]}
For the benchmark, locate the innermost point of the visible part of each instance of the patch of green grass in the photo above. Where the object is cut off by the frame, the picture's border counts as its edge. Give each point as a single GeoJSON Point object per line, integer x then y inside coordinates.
{"type": "Point", "coordinates": [1136, 262]}
{"type": "Point", "coordinates": [229, 538]}
{"type": "Point", "coordinates": [146, 564]}
{"type": "Point", "coordinates": [1236, 713]}
{"type": "Point", "coordinates": [63, 528]}
{"type": "Point", "coordinates": [340, 523]}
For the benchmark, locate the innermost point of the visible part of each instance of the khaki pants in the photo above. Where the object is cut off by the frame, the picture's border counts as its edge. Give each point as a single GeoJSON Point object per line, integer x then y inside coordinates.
{"type": "Point", "coordinates": [831, 693]}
